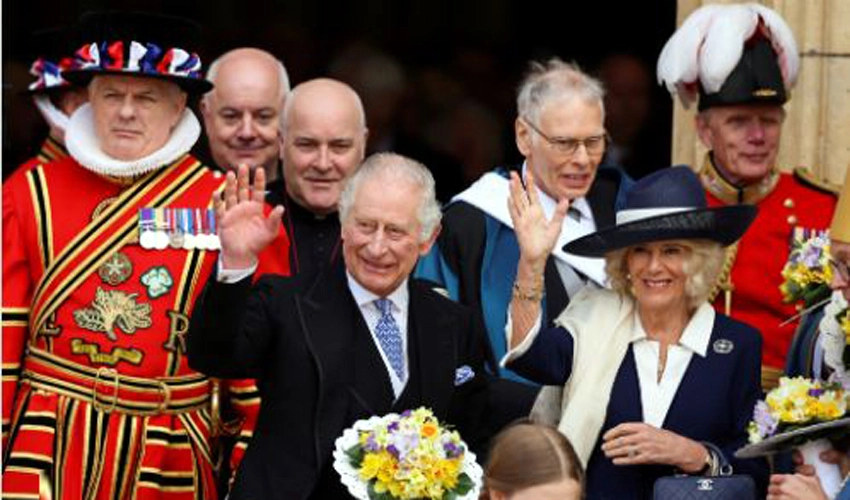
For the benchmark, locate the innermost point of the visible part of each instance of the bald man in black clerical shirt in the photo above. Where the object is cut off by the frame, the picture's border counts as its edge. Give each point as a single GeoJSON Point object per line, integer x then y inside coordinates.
{"type": "Point", "coordinates": [323, 138]}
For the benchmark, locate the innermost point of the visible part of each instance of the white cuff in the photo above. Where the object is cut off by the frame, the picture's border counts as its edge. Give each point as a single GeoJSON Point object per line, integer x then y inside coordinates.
{"type": "Point", "coordinates": [233, 275]}
{"type": "Point", "coordinates": [524, 345]}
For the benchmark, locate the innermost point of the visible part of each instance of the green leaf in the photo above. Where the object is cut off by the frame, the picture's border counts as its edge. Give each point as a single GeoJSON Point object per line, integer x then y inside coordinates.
{"type": "Point", "coordinates": [464, 484]}
{"type": "Point", "coordinates": [374, 495]}
{"type": "Point", "coordinates": [355, 455]}
{"type": "Point", "coordinates": [815, 293]}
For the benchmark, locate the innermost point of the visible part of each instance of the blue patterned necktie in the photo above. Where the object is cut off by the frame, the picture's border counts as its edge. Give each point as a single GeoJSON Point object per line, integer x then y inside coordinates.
{"type": "Point", "coordinates": [389, 336]}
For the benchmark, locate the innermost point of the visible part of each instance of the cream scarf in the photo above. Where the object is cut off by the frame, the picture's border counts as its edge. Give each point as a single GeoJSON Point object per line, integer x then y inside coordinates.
{"type": "Point", "coordinates": [600, 322]}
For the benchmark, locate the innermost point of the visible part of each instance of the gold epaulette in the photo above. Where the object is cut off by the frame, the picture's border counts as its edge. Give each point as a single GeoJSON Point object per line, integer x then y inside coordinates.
{"type": "Point", "coordinates": [809, 179]}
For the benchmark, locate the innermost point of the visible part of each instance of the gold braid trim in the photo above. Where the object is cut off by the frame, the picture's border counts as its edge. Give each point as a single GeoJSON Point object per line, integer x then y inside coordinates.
{"type": "Point", "coordinates": [218, 426]}
{"type": "Point", "coordinates": [724, 280]}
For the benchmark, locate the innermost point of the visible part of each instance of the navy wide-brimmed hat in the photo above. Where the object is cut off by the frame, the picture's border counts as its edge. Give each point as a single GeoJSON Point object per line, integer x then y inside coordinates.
{"type": "Point", "coordinates": [140, 44]}
{"type": "Point", "coordinates": [669, 204]}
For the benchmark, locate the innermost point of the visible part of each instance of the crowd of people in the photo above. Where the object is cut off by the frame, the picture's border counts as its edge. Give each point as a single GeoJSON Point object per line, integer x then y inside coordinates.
{"type": "Point", "coordinates": [186, 328]}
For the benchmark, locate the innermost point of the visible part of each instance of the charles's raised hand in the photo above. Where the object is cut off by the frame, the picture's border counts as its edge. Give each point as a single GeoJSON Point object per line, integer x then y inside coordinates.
{"type": "Point", "coordinates": [243, 227]}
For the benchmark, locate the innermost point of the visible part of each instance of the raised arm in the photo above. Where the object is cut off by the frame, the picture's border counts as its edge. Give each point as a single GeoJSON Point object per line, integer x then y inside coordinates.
{"type": "Point", "coordinates": [536, 237]}
{"type": "Point", "coordinates": [243, 228]}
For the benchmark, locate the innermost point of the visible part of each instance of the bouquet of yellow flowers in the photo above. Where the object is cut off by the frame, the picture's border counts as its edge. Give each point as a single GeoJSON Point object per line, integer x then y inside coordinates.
{"type": "Point", "coordinates": [404, 457]}
{"type": "Point", "coordinates": [796, 404]}
{"type": "Point", "coordinates": [804, 414]}
{"type": "Point", "coordinates": [807, 273]}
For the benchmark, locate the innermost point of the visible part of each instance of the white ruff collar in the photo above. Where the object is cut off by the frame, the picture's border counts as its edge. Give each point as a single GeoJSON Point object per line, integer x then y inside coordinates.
{"type": "Point", "coordinates": [84, 146]}
{"type": "Point", "coordinates": [52, 115]}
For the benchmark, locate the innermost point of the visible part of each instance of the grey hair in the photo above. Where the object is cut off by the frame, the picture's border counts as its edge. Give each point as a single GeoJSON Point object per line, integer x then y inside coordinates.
{"type": "Point", "coordinates": [702, 268]}
{"type": "Point", "coordinates": [283, 76]}
{"type": "Point", "coordinates": [398, 167]}
{"type": "Point", "coordinates": [556, 80]}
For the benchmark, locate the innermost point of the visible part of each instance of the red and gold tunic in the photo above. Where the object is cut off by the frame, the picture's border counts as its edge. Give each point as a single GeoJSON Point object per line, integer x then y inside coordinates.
{"type": "Point", "coordinates": [789, 208]}
{"type": "Point", "coordinates": [98, 398]}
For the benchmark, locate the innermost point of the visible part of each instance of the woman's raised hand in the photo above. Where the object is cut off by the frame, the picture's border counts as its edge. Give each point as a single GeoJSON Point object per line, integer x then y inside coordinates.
{"type": "Point", "coordinates": [536, 235]}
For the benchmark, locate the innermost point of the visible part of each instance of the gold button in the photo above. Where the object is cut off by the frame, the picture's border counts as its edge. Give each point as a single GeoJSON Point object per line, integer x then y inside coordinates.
{"type": "Point", "coordinates": [788, 203]}
{"type": "Point", "coordinates": [792, 219]}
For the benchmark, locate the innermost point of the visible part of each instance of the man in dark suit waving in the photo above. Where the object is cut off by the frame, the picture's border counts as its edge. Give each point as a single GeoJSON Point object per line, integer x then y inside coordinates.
{"type": "Point", "coordinates": [362, 339]}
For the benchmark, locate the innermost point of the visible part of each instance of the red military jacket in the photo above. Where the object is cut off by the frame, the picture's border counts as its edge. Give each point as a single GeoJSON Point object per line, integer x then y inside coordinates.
{"type": "Point", "coordinates": [789, 208]}
{"type": "Point", "coordinates": [104, 302]}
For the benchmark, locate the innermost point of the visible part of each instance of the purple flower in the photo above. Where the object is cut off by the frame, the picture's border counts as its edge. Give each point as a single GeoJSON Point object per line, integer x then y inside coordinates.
{"type": "Point", "coordinates": [393, 450]}
{"type": "Point", "coordinates": [811, 256]}
{"type": "Point", "coordinates": [371, 444]}
{"type": "Point", "coordinates": [764, 420]}
{"type": "Point", "coordinates": [393, 426]}
{"type": "Point", "coordinates": [452, 450]}
{"type": "Point", "coordinates": [404, 443]}
{"type": "Point", "coordinates": [815, 392]}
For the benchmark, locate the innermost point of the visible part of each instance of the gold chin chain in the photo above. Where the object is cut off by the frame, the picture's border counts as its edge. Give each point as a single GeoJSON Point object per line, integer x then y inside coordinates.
{"type": "Point", "coordinates": [724, 281]}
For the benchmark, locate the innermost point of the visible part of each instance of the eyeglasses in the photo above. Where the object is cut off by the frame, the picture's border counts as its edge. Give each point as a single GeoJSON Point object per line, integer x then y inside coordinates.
{"type": "Point", "coordinates": [840, 269]}
{"type": "Point", "coordinates": [567, 146]}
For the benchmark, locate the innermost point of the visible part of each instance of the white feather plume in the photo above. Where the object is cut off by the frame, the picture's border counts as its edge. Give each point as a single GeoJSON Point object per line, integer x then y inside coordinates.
{"type": "Point", "coordinates": [709, 44]}
{"type": "Point", "coordinates": [782, 39]}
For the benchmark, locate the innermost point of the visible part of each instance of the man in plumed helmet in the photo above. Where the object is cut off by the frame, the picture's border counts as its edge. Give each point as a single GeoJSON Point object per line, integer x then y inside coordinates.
{"type": "Point", "coordinates": [104, 253]}
{"type": "Point", "coordinates": [55, 97]}
{"type": "Point", "coordinates": [740, 62]}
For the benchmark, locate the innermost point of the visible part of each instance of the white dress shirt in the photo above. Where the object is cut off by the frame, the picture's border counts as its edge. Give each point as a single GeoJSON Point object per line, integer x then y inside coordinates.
{"type": "Point", "coordinates": [371, 314]}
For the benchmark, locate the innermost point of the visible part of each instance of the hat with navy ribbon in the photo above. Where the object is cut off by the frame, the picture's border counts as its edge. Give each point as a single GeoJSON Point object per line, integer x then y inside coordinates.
{"type": "Point", "coordinates": [730, 54]}
{"type": "Point", "coordinates": [140, 44]}
{"type": "Point", "coordinates": [668, 204]}
{"type": "Point", "coordinates": [53, 53]}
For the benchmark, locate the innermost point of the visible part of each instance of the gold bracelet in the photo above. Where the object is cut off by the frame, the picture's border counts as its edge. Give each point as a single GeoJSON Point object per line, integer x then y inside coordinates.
{"type": "Point", "coordinates": [533, 295]}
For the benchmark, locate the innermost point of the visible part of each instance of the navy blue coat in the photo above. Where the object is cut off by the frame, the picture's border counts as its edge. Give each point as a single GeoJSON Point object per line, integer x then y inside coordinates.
{"type": "Point", "coordinates": [713, 403]}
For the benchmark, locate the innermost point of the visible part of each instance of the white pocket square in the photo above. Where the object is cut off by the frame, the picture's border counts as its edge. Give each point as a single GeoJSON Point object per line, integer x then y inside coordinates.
{"type": "Point", "coordinates": [463, 375]}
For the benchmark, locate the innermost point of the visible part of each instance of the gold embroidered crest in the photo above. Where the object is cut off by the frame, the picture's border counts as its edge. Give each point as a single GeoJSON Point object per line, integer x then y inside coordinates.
{"type": "Point", "coordinates": [133, 356]}
{"type": "Point", "coordinates": [114, 308]}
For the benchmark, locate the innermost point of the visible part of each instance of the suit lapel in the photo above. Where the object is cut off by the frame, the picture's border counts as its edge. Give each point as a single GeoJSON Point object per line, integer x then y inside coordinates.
{"type": "Point", "coordinates": [327, 315]}
{"type": "Point", "coordinates": [556, 294]}
{"type": "Point", "coordinates": [435, 348]}
{"type": "Point", "coordinates": [602, 198]}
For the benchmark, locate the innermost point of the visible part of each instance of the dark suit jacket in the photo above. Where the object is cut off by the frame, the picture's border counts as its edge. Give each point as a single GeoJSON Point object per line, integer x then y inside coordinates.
{"type": "Point", "coordinates": [714, 403]}
{"type": "Point", "coordinates": [318, 371]}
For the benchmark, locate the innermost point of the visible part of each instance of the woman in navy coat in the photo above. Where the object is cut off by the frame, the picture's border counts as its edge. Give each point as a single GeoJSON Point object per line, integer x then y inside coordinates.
{"type": "Point", "coordinates": [654, 381]}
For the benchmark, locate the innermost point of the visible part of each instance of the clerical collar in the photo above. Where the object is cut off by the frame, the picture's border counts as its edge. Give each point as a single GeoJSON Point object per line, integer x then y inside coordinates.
{"type": "Point", "coordinates": [727, 192]}
{"type": "Point", "coordinates": [302, 213]}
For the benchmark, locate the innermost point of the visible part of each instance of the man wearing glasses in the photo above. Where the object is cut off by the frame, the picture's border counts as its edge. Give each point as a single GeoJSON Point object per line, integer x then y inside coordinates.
{"type": "Point", "coordinates": [559, 130]}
